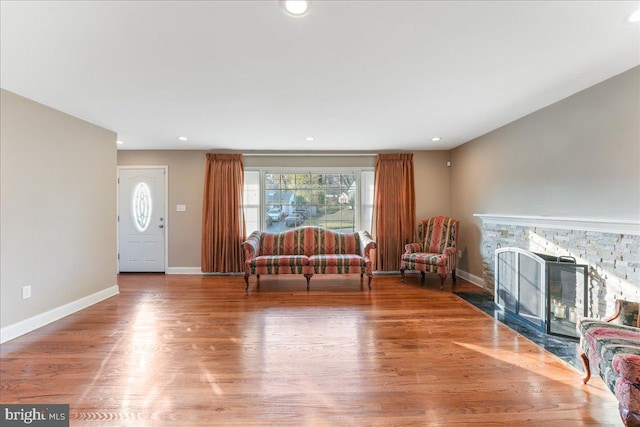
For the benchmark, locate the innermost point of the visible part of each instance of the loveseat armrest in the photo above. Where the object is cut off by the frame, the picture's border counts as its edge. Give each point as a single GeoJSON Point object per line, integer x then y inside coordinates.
{"type": "Point", "coordinates": [626, 313]}
{"type": "Point", "coordinates": [251, 246]}
{"type": "Point", "coordinates": [411, 248]}
{"type": "Point", "coordinates": [366, 243]}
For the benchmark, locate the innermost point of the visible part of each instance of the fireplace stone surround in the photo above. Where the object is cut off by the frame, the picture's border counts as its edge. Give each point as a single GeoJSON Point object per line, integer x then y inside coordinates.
{"type": "Point", "coordinates": [610, 247]}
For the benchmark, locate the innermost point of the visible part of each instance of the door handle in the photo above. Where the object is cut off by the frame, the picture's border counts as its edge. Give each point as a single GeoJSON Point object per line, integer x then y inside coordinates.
{"type": "Point", "coordinates": [161, 226]}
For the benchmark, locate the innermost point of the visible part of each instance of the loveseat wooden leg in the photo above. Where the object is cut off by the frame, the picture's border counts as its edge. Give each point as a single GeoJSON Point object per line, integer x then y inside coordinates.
{"type": "Point", "coordinates": [246, 280]}
{"type": "Point", "coordinates": [369, 283]}
{"type": "Point", "coordinates": [453, 275]}
{"type": "Point", "coordinates": [308, 277]}
{"type": "Point", "coordinates": [443, 277]}
{"type": "Point", "coordinates": [402, 274]}
{"type": "Point", "coordinates": [585, 364]}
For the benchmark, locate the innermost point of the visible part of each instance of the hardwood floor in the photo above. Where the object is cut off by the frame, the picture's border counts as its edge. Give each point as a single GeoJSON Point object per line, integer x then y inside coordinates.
{"type": "Point", "coordinates": [198, 350]}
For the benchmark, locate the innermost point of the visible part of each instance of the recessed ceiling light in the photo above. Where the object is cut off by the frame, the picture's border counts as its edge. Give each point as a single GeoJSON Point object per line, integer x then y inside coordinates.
{"type": "Point", "coordinates": [295, 7]}
{"type": "Point", "coordinates": [119, 142]}
{"type": "Point", "coordinates": [183, 138]}
{"type": "Point", "coordinates": [436, 139]}
{"type": "Point", "coordinates": [635, 16]}
{"type": "Point", "coordinates": [309, 138]}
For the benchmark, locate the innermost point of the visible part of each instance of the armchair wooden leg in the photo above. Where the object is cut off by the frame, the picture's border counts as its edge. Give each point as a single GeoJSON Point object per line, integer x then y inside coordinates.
{"type": "Point", "coordinates": [246, 280]}
{"type": "Point", "coordinates": [442, 279]}
{"type": "Point", "coordinates": [453, 275]}
{"type": "Point", "coordinates": [422, 277]}
{"type": "Point", "coordinates": [402, 274]}
{"type": "Point", "coordinates": [370, 277]}
{"type": "Point", "coordinates": [585, 364]}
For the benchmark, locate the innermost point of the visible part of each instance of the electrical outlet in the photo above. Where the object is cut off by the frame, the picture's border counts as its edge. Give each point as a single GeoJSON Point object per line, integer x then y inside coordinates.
{"type": "Point", "coordinates": [26, 292]}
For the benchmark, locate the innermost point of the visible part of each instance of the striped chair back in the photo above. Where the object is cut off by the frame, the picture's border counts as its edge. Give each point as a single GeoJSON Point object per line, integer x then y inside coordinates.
{"type": "Point", "coordinates": [438, 233]}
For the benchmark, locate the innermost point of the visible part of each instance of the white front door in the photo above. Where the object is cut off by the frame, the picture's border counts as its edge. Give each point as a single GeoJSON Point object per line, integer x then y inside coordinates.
{"type": "Point", "coordinates": [141, 219]}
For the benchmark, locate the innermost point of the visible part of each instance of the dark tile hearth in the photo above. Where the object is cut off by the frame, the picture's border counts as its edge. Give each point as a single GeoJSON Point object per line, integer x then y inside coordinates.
{"type": "Point", "coordinates": [564, 348]}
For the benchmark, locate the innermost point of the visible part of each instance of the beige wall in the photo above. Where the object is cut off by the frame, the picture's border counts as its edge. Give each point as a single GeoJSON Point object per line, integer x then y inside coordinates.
{"type": "Point", "coordinates": [58, 198]}
{"type": "Point", "coordinates": [432, 183]}
{"type": "Point", "coordinates": [578, 157]}
{"type": "Point", "coordinates": [186, 185]}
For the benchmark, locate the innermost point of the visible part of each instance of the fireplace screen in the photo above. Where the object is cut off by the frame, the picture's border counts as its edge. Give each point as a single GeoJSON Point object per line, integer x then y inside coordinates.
{"type": "Point", "coordinates": [545, 291]}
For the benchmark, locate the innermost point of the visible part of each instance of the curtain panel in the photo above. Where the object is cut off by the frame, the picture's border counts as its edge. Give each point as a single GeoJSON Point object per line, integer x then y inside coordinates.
{"type": "Point", "coordinates": [394, 208]}
{"type": "Point", "coordinates": [223, 227]}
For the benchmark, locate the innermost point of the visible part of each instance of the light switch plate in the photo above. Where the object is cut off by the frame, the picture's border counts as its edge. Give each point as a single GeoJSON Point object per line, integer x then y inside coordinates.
{"type": "Point", "coordinates": [181, 208]}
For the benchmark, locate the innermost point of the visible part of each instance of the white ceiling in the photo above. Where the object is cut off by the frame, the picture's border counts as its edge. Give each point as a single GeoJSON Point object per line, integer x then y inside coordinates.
{"type": "Point", "coordinates": [355, 75]}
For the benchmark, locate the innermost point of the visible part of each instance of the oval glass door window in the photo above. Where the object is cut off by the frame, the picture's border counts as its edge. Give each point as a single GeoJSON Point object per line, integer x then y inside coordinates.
{"type": "Point", "coordinates": [141, 206]}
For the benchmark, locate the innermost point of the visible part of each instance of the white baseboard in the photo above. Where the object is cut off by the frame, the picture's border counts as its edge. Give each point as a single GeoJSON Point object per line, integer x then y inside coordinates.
{"type": "Point", "coordinates": [31, 324]}
{"type": "Point", "coordinates": [183, 270]}
{"type": "Point", "coordinates": [478, 281]}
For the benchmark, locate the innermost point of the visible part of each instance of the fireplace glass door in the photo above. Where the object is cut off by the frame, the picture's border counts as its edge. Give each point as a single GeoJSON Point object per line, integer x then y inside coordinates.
{"type": "Point", "coordinates": [531, 298]}
{"type": "Point", "coordinates": [567, 294]}
{"type": "Point", "coordinates": [519, 286]}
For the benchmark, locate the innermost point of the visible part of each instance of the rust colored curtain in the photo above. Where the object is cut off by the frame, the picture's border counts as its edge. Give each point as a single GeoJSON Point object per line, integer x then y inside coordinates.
{"type": "Point", "coordinates": [222, 214]}
{"type": "Point", "coordinates": [394, 208]}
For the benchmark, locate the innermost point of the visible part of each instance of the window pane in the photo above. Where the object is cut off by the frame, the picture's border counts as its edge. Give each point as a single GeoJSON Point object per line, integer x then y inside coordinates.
{"type": "Point", "coordinates": [251, 201]}
{"type": "Point", "coordinates": [251, 188]}
{"type": "Point", "coordinates": [297, 198]}
{"type": "Point", "coordinates": [367, 182]}
{"type": "Point", "coordinates": [325, 200]}
{"type": "Point", "coordinates": [251, 219]}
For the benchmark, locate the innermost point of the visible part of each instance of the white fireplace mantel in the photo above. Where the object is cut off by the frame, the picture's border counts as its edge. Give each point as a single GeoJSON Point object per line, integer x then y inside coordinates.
{"type": "Point", "coordinates": [602, 225]}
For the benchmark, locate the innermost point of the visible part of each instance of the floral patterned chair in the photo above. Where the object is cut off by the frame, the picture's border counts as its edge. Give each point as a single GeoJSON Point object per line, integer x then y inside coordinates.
{"type": "Point", "coordinates": [436, 252]}
{"type": "Point", "coordinates": [611, 348]}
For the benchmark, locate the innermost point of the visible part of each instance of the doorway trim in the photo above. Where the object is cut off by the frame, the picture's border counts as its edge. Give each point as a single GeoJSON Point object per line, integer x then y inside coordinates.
{"type": "Point", "coordinates": [166, 211]}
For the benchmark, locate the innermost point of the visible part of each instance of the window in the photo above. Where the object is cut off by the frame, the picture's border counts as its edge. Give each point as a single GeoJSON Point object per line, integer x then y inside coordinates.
{"type": "Point", "coordinates": [251, 201]}
{"type": "Point", "coordinates": [340, 200]}
{"type": "Point", "coordinates": [141, 206]}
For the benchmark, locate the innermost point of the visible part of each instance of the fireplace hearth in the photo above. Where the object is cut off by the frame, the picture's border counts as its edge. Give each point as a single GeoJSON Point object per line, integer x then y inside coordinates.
{"type": "Point", "coordinates": [546, 291]}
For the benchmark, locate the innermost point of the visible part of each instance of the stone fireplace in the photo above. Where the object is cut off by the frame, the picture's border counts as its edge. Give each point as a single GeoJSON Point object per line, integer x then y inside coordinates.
{"type": "Point", "coordinates": [610, 248]}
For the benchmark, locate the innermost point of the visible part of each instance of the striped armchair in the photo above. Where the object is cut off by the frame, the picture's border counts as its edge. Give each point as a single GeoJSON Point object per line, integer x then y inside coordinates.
{"type": "Point", "coordinates": [611, 348]}
{"type": "Point", "coordinates": [436, 252]}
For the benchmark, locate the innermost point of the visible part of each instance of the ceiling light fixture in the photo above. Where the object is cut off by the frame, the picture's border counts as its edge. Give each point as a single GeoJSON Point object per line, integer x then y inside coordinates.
{"type": "Point", "coordinates": [310, 138]}
{"type": "Point", "coordinates": [295, 7]}
{"type": "Point", "coordinates": [119, 142]}
{"type": "Point", "coordinates": [436, 139]}
{"type": "Point", "coordinates": [635, 16]}
{"type": "Point", "coordinates": [183, 138]}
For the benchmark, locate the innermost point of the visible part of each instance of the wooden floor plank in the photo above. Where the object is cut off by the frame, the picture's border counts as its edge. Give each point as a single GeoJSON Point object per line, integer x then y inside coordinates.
{"type": "Point", "coordinates": [198, 350]}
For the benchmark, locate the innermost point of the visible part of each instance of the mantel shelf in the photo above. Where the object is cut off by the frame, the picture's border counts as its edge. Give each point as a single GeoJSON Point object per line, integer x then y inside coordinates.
{"type": "Point", "coordinates": [602, 225]}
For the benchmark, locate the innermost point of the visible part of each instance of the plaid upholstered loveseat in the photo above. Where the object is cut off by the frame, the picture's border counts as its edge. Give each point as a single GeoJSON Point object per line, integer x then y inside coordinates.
{"type": "Point", "coordinates": [308, 251]}
{"type": "Point", "coordinates": [611, 348]}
